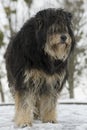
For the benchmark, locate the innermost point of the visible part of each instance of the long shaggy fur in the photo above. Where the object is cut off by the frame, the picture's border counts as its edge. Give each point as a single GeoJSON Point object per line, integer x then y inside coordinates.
{"type": "Point", "coordinates": [36, 62]}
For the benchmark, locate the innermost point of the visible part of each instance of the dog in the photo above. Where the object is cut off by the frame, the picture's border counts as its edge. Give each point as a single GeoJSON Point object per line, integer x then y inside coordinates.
{"type": "Point", "coordinates": [36, 62]}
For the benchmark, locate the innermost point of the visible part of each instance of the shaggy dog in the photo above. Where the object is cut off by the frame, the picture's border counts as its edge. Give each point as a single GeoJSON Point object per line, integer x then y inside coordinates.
{"type": "Point", "coordinates": [36, 63]}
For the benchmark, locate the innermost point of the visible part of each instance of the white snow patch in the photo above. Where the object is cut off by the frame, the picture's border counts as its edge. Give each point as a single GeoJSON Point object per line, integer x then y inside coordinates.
{"type": "Point", "coordinates": [70, 117]}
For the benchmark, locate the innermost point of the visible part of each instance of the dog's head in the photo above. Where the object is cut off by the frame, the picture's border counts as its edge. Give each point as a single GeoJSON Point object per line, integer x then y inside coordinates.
{"type": "Point", "coordinates": [54, 33]}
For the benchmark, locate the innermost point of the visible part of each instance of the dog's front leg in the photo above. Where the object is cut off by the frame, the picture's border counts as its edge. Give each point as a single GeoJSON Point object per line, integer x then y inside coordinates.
{"type": "Point", "coordinates": [24, 109]}
{"type": "Point", "coordinates": [48, 109]}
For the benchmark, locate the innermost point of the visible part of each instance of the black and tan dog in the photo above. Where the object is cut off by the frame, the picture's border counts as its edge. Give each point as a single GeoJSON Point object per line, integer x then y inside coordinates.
{"type": "Point", "coordinates": [36, 62]}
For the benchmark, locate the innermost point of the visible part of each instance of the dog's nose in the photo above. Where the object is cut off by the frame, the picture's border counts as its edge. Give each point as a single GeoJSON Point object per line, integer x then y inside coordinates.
{"type": "Point", "coordinates": [63, 38]}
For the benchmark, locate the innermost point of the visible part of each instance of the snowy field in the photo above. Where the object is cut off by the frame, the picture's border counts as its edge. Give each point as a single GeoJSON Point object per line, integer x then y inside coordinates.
{"type": "Point", "coordinates": [71, 116]}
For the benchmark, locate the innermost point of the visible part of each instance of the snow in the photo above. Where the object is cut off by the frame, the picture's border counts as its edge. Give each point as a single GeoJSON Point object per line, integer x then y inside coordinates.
{"type": "Point", "coordinates": [70, 117]}
{"type": "Point", "coordinates": [42, 4]}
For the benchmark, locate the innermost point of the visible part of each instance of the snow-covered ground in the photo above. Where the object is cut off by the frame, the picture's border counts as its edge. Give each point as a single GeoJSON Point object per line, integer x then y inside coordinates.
{"type": "Point", "coordinates": [70, 117]}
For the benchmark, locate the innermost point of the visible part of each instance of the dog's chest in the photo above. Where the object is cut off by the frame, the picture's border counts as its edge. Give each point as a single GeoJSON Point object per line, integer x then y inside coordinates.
{"type": "Point", "coordinates": [37, 79]}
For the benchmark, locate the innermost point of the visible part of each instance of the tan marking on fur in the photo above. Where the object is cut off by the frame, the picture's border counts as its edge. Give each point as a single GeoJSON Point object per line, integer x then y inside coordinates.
{"type": "Point", "coordinates": [37, 112]}
{"type": "Point", "coordinates": [52, 79]}
{"type": "Point", "coordinates": [48, 109]}
{"type": "Point", "coordinates": [39, 77]}
{"type": "Point", "coordinates": [55, 48]}
{"type": "Point", "coordinates": [53, 39]}
{"type": "Point", "coordinates": [45, 106]}
{"type": "Point", "coordinates": [50, 116]}
{"type": "Point", "coordinates": [24, 110]}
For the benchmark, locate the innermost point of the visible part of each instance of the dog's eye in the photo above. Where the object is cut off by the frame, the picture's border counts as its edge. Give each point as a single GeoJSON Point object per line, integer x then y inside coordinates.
{"type": "Point", "coordinates": [69, 15]}
{"type": "Point", "coordinates": [39, 23]}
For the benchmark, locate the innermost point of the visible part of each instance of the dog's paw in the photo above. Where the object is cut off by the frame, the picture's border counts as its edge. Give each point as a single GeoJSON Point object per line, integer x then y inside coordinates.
{"type": "Point", "coordinates": [23, 124]}
{"type": "Point", "coordinates": [50, 121]}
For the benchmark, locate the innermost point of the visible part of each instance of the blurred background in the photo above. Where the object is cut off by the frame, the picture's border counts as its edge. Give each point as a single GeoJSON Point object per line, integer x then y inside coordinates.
{"type": "Point", "coordinates": [13, 14]}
